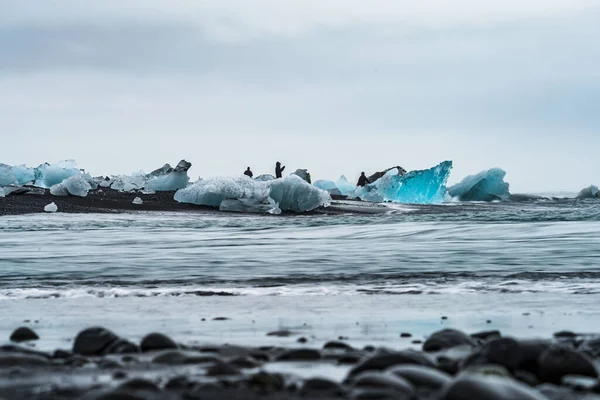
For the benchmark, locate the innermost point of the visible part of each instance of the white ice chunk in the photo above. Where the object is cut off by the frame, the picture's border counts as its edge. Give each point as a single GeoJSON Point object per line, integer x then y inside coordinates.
{"type": "Point", "coordinates": [51, 208]}
{"type": "Point", "coordinates": [292, 193]}
{"type": "Point", "coordinates": [212, 191]}
{"type": "Point", "coordinates": [76, 185]}
{"type": "Point", "coordinates": [289, 194]}
{"type": "Point", "coordinates": [127, 183]}
{"type": "Point", "coordinates": [485, 186]}
{"type": "Point", "coordinates": [138, 201]}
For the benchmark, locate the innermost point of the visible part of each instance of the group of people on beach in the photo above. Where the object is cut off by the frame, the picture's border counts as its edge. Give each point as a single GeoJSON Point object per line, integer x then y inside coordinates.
{"type": "Point", "coordinates": [362, 180]}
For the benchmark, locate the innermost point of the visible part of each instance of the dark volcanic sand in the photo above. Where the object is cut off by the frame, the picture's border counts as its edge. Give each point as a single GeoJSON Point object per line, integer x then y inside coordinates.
{"type": "Point", "coordinates": [97, 201]}
{"type": "Point", "coordinates": [452, 365]}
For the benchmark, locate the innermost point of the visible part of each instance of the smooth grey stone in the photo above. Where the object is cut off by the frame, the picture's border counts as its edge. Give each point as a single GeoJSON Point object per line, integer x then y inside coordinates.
{"type": "Point", "coordinates": [557, 362]}
{"type": "Point", "coordinates": [553, 392]}
{"type": "Point", "coordinates": [382, 361]}
{"type": "Point", "coordinates": [221, 368]}
{"type": "Point", "coordinates": [157, 341]}
{"type": "Point", "coordinates": [476, 386]}
{"type": "Point", "coordinates": [22, 360]}
{"type": "Point", "coordinates": [23, 334]}
{"type": "Point", "coordinates": [577, 382]}
{"type": "Point", "coordinates": [337, 346]}
{"type": "Point", "coordinates": [121, 346]}
{"type": "Point", "coordinates": [140, 384]}
{"type": "Point", "coordinates": [93, 341]}
{"type": "Point", "coordinates": [446, 339]}
{"type": "Point", "coordinates": [300, 355]}
{"type": "Point", "coordinates": [486, 335]}
{"type": "Point", "coordinates": [320, 386]}
{"type": "Point", "coordinates": [373, 379]}
{"type": "Point", "coordinates": [177, 357]}
{"type": "Point", "coordinates": [421, 376]}
{"type": "Point", "coordinates": [502, 351]}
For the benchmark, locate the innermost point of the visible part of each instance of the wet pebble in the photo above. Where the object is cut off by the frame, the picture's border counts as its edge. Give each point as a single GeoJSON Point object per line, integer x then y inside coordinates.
{"type": "Point", "coordinates": [477, 386]}
{"type": "Point", "coordinates": [9, 359]}
{"type": "Point", "coordinates": [421, 376]}
{"type": "Point", "coordinates": [221, 368]}
{"type": "Point", "coordinates": [337, 346]}
{"type": "Point", "coordinates": [300, 355]}
{"type": "Point", "coordinates": [405, 335]}
{"type": "Point", "coordinates": [93, 341]}
{"type": "Point", "coordinates": [157, 341]}
{"type": "Point", "coordinates": [446, 339]}
{"type": "Point", "coordinates": [320, 386]}
{"type": "Point", "coordinates": [284, 333]}
{"type": "Point", "coordinates": [23, 334]}
{"type": "Point", "coordinates": [559, 361]}
{"type": "Point", "coordinates": [382, 361]}
{"type": "Point", "coordinates": [372, 379]}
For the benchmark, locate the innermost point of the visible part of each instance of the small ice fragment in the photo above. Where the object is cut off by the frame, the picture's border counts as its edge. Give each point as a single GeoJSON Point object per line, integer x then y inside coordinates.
{"type": "Point", "coordinates": [485, 186]}
{"type": "Point", "coordinates": [51, 208]}
{"type": "Point", "coordinates": [137, 200]}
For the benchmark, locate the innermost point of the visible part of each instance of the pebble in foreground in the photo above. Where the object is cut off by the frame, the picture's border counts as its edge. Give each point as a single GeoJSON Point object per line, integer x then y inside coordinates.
{"type": "Point", "coordinates": [451, 366]}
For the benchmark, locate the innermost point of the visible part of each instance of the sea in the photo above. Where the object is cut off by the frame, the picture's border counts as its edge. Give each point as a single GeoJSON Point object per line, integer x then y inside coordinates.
{"type": "Point", "coordinates": [527, 269]}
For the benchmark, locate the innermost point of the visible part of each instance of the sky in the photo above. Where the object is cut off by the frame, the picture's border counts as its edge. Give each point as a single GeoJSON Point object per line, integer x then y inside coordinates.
{"type": "Point", "coordinates": [333, 86]}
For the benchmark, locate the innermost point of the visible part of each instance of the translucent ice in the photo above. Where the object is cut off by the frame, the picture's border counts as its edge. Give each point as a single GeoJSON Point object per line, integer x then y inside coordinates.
{"type": "Point", "coordinates": [47, 175]}
{"type": "Point", "coordinates": [292, 193]}
{"type": "Point", "coordinates": [344, 186]}
{"type": "Point", "coordinates": [137, 201]}
{"type": "Point", "coordinates": [590, 192]}
{"type": "Point", "coordinates": [51, 208]}
{"type": "Point", "coordinates": [416, 187]}
{"type": "Point", "coordinates": [485, 186]}
{"type": "Point", "coordinates": [127, 183]}
{"type": "Point", "coordinates": [24, 175]}
{"type": "Point", "coordinates": [244, 205]}
{"type": "Point", "coordinates": [212, 191]}
{"type": "Point", "coordinates": [328, 186]}
{"type": "Point", "coordinates": [289, 194]}
{"type": "Point", "coordinates": [174, 180]}
{"type": "Point", "coordinates": [76, 185]}
{"type": "Point", "coordinates": [6, 175]}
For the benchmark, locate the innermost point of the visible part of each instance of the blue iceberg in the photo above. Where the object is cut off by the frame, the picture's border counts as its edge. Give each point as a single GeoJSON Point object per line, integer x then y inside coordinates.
{"type": "Point", "coordinates": [48, 175]}
{"type": "Point", "coordinates": [416, 187]}
{"type": "Point", "coordinates": [345, 187]}
{"type": "Point", "coordinates": [485, 186]}
{"type": "Point", "coordinates": [328, 186]}
{"type": "Point", "coordinates": [289, 194]}
{"type": "Point", "coordinates": [6, 176]}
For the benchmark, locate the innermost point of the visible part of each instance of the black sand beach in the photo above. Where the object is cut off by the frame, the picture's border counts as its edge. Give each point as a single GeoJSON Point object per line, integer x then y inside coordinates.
{"type": "Point", "coordinates": [97, 201]}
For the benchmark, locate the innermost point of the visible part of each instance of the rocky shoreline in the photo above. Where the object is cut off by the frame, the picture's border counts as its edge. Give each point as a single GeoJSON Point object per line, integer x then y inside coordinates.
{"type": "Point", "coordinates": [451, 365]}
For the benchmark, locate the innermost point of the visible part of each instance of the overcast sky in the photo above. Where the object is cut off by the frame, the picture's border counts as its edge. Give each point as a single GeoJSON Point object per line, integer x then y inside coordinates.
{"type": "Point", "coordinates": [335, 86]}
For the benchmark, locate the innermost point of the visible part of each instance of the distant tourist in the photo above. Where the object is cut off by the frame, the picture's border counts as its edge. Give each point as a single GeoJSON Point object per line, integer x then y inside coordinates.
{"type": "Point", "coordinates": [278, 169]}
{"type": "Point", "coordinates": [248, 173]}
{"type": "Point", "coordinates": [362, 181]}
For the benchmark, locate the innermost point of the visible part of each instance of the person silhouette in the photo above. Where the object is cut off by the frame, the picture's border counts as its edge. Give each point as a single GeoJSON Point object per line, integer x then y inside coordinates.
{"type": "Point", "coordinates": [363, 180]}
{"type": "Point", "coordinates": [278, 169]}
{"type": "Point", "coordinates": [248, 173]}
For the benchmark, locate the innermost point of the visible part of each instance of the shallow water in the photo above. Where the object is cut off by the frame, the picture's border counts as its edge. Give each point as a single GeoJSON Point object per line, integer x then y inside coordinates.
{"type": "Point", "coordinates": [367, 277]}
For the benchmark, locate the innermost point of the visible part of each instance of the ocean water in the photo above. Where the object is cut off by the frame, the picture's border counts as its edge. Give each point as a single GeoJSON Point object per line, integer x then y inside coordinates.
{"type": "Point", "coordinates": [524, 268]}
